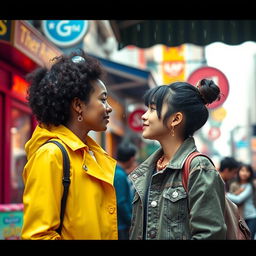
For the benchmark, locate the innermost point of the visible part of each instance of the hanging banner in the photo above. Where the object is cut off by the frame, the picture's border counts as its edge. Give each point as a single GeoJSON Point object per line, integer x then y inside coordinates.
{"type": "Point", "coordinates": [173, 66]}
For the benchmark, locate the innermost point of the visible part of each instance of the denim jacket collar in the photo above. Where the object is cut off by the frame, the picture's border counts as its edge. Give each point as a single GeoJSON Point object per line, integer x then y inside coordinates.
{"type": "Point", "coordinates": [181, 154]}
{"type": "Point", "coordinates": [177, 161]}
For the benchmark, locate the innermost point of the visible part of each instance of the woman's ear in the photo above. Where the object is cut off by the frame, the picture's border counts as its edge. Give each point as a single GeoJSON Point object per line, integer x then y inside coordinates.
{"type": "Point", "coordinates": [175, 119]}
{"type": "Point", "coordinates": [76, 105]}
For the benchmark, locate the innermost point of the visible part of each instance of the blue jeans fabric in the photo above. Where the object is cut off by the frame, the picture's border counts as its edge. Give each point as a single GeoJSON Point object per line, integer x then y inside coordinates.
{"type": "Point", "coordinates": [251, 223]}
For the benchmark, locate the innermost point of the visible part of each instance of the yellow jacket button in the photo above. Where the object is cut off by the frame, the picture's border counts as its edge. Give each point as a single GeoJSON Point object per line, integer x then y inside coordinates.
{"type": "Point", "coordinates": [111, 209]}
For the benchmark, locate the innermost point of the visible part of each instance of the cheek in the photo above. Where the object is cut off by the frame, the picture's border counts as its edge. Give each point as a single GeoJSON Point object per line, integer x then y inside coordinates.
{"type": "Point", "coordinates": [154, 130]}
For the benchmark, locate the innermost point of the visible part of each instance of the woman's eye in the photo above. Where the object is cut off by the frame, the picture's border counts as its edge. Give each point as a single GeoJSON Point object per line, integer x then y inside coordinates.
{"type": "Point", "coordinates": [151, 107]}
{"type": "Point", "coordinates": [104, 100]}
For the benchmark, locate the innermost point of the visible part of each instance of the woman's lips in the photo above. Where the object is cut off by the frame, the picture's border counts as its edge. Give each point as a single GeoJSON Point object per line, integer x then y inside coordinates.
{"type": "Point", "coordinates": [144, 126]}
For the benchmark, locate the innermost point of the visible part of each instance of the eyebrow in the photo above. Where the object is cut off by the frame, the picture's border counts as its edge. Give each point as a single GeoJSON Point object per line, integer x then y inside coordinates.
{"type": "Point", "coordinates": [104, 94]}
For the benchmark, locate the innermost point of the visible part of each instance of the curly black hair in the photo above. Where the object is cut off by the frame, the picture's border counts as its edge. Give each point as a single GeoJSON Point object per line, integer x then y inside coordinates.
{"type": "Point", "coordinates": [51, 91]}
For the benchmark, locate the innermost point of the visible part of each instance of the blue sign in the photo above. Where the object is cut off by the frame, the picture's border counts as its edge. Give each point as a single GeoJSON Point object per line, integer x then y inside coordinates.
{"type": "Point", "coordinates": [65, 33]}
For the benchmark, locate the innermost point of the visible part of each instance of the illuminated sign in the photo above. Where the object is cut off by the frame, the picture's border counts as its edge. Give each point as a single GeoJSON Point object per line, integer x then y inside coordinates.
{"type": "Point", "coordinates": [19, 86]}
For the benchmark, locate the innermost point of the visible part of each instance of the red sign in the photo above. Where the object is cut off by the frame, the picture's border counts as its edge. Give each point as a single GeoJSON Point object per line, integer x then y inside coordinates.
{"type": "Point", "coordinates": [135, 120]}
{"type": "Point", "coordinates": [214, 133]}
{"type": "Point", "coordinates": [217, 76]}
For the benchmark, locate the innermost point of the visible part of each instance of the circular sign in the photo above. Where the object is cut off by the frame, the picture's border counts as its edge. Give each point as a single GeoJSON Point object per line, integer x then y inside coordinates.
{"type": "Point", "coordinates": [135, 120]}
{"type": "Point", "coordinates": [65, 33]}
{"type": "Point", "coordinates": [217, 76]}
{"type": "Point", "coordinates": [219, 114]}
{"type": "Point", "coordinates": [214, 133]}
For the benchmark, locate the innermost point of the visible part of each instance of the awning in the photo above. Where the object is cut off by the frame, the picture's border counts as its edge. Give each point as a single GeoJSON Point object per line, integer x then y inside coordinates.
{"type": "Point", "coordinates": [147, 33]}
{"type": "Point", "coordinates": [126, 81]}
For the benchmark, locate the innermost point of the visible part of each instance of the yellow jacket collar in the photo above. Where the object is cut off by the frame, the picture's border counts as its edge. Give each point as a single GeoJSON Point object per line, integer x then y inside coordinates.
{"type": "Point", "coordinates": [42, 134]}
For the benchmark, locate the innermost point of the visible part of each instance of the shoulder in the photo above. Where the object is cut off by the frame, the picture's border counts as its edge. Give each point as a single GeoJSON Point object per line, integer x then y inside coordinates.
{"type": "Point", "coordinates": [233, 186]}
{"type": "Point", "coordinates": [202, 167]}
{"type": "Point", "coordinates": [202, 162]}
{"type": "Point", "coordinates": [50, 150]}
{"type": "Point", "coordinates": [248, 186]}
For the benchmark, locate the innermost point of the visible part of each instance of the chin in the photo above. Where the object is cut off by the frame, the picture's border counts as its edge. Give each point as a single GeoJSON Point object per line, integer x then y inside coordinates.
{"type": "Point", "coordinates": [102, 129]}
{"type": "Point", "coordinates": [146, 136]}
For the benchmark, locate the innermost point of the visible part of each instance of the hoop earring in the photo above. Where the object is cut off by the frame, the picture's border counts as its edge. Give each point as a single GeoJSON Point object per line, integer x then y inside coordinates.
{"type": "Point", "coordinates": [80, 118]}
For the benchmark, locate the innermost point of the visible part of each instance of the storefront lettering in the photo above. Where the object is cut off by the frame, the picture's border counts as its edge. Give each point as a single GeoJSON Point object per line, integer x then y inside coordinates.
{"type": "Point", "coordinates": [3, 27]}
{"type": "Point", "coordinates": [28, 41]}
{"type": "Point", "coordinates": [46, 53]}
{"type": "Point", "coordinates": [39, 49]}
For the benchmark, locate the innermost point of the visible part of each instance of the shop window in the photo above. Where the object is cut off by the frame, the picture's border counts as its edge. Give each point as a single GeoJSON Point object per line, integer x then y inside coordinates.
{"type": "Point", "coordinates": [20, 133]}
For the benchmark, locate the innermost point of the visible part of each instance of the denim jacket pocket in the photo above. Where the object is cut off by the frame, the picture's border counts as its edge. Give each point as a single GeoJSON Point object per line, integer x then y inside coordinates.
{"type": "Point", "coordinates": [175, 203]}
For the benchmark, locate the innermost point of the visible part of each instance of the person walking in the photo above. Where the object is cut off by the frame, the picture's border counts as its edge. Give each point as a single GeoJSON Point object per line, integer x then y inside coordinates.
{"type": "Point", "coordinates": [228, 170]}
{"type": "Point", "coordinates": [242, 192]}
{"type": "Point", "coordinates": [162, 209]}
{"type": "Point", "coordinates": [69, 100]}
{"type": "Point", "coordinates": [126, 159]}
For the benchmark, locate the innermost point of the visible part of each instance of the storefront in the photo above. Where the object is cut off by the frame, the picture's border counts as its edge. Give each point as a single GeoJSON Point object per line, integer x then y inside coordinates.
{"type": "Point", "coordinates": [22, 49]}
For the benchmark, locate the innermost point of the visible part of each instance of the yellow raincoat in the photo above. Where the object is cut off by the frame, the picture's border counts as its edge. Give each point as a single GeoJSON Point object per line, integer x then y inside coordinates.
{"type": "Point", "coordinates": [91, 203]}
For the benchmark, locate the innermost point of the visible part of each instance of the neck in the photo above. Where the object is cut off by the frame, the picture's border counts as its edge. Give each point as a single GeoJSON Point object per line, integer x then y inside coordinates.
{"type": "Point", "coordinates": [170, 146]}
{"type": "Point", "coordinates": [80, 133]}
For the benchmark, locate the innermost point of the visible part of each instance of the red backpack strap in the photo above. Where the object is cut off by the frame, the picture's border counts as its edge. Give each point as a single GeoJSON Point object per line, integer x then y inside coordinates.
{"type": "Point", "coordinates": [186, 167]}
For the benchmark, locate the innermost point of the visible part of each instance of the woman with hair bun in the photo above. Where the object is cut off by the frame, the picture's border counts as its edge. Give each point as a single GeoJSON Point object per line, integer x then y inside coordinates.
{"type": "Point", "coordinates": [68, 101]}
{"type": "Point", "coordinates": [162, 209]}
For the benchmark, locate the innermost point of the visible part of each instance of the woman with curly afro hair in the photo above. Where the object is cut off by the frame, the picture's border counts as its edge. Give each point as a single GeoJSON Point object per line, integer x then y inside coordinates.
{"type": "Point", "coordinates": [68, 101]}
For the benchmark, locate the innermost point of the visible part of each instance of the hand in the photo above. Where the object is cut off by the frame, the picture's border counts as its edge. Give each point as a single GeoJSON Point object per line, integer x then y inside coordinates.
{"type": "Point", "coordinates": [238, 191]}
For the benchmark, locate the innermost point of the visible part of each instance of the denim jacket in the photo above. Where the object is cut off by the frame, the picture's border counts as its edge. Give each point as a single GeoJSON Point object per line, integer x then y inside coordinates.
{"type": "Point", "coordinates": [170, 212]}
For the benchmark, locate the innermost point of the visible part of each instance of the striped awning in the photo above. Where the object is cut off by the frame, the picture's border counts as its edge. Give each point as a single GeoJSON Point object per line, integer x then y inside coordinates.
{"type": "Point", "coordinates": [147, 33]}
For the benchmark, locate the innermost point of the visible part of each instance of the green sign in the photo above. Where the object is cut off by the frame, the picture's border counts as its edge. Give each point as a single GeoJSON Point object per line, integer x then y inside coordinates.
{"type": "Point", "coordinates": [11, 224]}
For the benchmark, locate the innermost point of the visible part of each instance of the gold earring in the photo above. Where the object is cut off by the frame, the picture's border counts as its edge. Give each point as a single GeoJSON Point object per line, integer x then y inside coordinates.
{"type": "Point", "coordinates": [172, 131]}
{"type": "Point", "coordinates": [80, 118]}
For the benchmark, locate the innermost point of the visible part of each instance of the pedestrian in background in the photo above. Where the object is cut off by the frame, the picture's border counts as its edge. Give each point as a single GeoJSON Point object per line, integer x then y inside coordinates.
{"type": "Point", "coordinates": [228, 170]}
{"type": "Point", "coordinates": [126, 160]}
{"type": "Point", "coordinates": [162, 209]}
{"type": "Point", "coordinates": [242, 192]}
{"type": "Point", "coordinates": [69, 100]}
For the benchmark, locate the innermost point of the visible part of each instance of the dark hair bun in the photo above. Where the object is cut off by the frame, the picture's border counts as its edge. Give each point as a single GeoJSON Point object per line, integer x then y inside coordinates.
{"type": "Point", "coordinates": [208, 91]}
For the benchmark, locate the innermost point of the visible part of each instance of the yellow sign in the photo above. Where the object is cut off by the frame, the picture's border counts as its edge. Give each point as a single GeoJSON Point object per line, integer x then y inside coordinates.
{"type": "Point", "coordinates": [173, 67]}
{"type": "Point", "coordinates": [3, 27]}
{"type": "Point", "coordinates": [219, 114]}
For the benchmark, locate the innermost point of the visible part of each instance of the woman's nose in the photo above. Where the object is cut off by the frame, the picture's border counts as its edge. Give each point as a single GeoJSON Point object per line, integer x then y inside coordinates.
{"type": "Point", "coordinates": [109, 108]}
{"type": "Point", "coordinates": [143, 117]}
